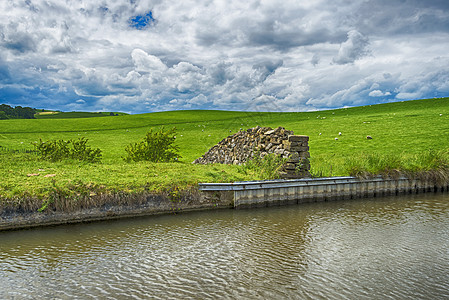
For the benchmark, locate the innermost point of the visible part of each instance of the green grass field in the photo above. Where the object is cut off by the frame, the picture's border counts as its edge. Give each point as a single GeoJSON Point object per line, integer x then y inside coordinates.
{"type": "Point", "coordinates": [403, 129]}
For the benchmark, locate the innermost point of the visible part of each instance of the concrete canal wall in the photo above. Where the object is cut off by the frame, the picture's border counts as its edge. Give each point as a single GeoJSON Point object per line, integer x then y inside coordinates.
{"type": "Point", "coordinates": [223, 195]}
{"type": "Point", "coordinates": [109, 207]}
{"type": "Point", "coordinates": [295, 191]}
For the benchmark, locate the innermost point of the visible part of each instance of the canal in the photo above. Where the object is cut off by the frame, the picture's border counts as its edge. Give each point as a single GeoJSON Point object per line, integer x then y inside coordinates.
{"type": "Point", "coordinates": [383, 248]}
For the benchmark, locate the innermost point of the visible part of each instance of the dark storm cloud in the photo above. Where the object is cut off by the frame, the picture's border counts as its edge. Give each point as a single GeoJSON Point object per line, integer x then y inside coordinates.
{"type": "Point", "coordinates": [220, 73]}
{"type": "Point", "coordinates": [266, 68]}
{"type": "Point", "coordinates": [4, 71]}
{"type": "Point", "coordinates": [297, 55]}
{"type": "Point", "coordinates": [17, 41]}
{"type": "Point", "coordinates": [384, 17]}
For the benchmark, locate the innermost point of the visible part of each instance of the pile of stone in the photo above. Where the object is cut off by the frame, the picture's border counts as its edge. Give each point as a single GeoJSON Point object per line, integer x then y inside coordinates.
{"type": "Point", "coordinates": [242, 146]}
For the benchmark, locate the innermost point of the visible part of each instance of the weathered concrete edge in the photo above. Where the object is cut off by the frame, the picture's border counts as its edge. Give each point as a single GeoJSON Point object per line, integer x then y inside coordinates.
{"type": "Point", "coordinates": [34, 220]}
{"type": "Point", "coordinates": [296, 191]}
{"type": "Point", "coordinates": [159, 206]}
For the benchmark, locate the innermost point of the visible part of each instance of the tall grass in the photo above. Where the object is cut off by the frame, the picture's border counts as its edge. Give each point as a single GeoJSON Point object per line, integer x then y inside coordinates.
{"type": "Point", "coordinates": [266, 167]}
{"type": "Point", "coordinates": [431, 165]}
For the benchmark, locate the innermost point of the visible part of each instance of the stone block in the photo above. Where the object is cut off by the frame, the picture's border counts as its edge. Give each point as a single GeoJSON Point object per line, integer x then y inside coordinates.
{"type": "Point", "coordinates": [290, 166]}
{"type": "Point", "coordinates": [290, 176]}
{"type": "Point", "coordinates": [294, 155]}
{"type": "Point", "coordinates": [275, 140]}
{"type": "Point", "coordinates": [293, 160]}
{"type": "Point", "coordinates": [298, 138]}
{"type": "Point", "coordinates": [279, 151]}
{"type": "Point", "coordinates": [297, 148]}
{"type": "Point", "coordinates": [304, 154]}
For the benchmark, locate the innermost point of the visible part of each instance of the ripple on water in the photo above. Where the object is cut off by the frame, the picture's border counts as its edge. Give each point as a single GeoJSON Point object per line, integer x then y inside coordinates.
{"type": "Point", "coordinates": [392, 248]}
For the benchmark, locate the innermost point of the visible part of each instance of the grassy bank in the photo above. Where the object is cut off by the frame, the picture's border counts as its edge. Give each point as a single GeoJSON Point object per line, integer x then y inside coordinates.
{"type": "Point", "coordinates": [406, 136]}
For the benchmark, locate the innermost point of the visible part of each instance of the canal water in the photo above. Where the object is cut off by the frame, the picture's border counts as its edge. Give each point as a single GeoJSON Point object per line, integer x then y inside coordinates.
{"type": "Point", "coordinates": [384, 248]}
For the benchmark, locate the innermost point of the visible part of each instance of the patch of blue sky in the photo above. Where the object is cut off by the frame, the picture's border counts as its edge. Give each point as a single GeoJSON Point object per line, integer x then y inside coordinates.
{"type": "Point", "coordinates": [141, 22]}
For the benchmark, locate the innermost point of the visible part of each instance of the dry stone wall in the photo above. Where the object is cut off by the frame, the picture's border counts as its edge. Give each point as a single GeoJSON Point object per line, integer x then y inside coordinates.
{"type": "Point", "coordinates": [242, 146]}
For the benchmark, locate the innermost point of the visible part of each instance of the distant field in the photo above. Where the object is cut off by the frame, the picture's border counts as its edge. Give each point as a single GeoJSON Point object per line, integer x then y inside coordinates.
{"type": "Point", "coordinates": [44, 113]}
{"type": "Point", "coordinates": [407, 129]}
{"type": "Point", "coordinates": [75, 114]}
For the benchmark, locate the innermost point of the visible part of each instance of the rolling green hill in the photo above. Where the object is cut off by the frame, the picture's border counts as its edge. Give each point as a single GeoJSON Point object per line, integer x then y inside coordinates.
{"type": "Point", "coordinates": [404, 129]}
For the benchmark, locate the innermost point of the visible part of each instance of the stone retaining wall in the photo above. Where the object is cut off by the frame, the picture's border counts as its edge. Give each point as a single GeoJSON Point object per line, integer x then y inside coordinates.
{"type": "Point", "coordinates": [242, 146]}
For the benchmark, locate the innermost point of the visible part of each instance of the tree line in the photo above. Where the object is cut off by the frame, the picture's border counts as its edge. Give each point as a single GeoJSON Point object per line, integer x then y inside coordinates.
{"type": "Point", "coordinates": [18, 112]}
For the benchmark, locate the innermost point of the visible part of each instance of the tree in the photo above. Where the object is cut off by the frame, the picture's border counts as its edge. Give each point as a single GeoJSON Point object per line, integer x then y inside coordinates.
{"type": "Point", "coordinates": [24, 112]}
{"type": "Point", "coordinates": [18, 112]}
{"type": "Point", "coordinates": [9, 111]}
{"type": "Point", "coordinates": [3, 115]}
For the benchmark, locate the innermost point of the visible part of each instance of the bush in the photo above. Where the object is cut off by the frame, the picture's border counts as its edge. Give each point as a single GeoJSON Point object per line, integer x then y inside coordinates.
{"type": "Point", "coordinates": [156, 146]}
{"type": "Point", "coordinates": [55, 150]}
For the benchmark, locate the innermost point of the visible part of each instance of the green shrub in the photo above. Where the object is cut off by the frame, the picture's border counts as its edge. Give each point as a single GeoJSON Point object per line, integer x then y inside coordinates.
{"type": "Point", "coordinates": [55, 150]}
{"type": "Point", "coordinates": [156, 146]}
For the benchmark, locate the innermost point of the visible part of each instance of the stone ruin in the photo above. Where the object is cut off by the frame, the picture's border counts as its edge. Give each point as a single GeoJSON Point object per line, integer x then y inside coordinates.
{"type": "Point", "coordinates": [240, 147]}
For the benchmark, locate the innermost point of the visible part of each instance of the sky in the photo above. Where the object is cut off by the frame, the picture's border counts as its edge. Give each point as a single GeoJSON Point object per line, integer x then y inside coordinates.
{"type": "Point", "coordinates": [146, 56]}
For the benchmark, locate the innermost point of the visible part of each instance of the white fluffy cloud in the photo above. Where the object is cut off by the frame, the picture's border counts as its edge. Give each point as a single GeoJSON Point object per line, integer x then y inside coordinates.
{"type": "Point", "coordinates": [378, 93]}
{"type": "Point", "coordinates": [253, 55]}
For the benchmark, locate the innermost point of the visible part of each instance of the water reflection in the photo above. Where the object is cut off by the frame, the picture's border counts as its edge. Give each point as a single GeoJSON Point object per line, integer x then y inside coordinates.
{"type": "Point", "coordinates": [381, 248]}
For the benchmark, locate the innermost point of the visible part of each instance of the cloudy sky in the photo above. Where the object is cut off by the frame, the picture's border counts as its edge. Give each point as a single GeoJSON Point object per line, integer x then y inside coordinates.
{"type": "Point", "coordinates": [145, 56]}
